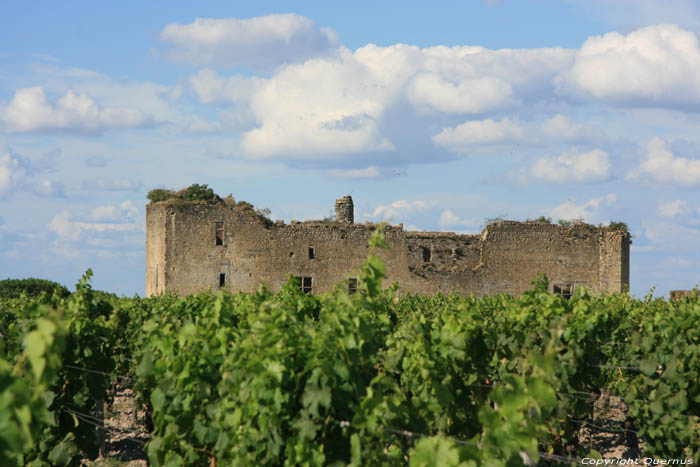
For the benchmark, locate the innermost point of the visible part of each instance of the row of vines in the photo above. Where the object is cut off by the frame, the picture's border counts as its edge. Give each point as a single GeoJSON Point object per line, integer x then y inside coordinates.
{"type": "Point", "coordinates": [372, 378]}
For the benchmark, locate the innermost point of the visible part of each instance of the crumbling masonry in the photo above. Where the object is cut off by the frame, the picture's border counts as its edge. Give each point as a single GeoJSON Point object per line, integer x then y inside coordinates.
{"type": "Point", "coordinates": [197, 245]}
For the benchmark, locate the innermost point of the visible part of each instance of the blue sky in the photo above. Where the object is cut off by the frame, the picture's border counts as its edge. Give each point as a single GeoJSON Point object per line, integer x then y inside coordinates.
{"type": "Point", "coordinates": [440, 117]}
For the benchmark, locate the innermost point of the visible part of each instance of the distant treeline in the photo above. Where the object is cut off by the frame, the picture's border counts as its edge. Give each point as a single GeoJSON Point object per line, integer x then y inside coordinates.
{"type": "Point", "coordinates": [13, 288]}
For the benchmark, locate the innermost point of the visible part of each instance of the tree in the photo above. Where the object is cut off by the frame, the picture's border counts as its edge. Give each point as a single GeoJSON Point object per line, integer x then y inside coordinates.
{"type": "Point", "coordinates": [197, 192]}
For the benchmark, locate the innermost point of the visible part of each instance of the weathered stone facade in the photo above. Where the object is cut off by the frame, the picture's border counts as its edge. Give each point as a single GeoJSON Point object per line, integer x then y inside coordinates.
{"type": "Point", "coordinates": [678, 295]}
{"type": "Point", "coordinates": [196, 246]}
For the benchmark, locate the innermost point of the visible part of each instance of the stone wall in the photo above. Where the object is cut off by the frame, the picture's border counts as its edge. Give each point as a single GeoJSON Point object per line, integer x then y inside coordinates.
{"type": "Point", "coordinates": [182, 254]}
{"type": "Point", "coordinates": [506, 257]}
{"type": "Point", "coordinates": [614, 262]}
{"type": "Point", "coordinates": [677, 295]}
{"type": "Point", "coordinates": [253, 252]}
{"type": "Point", "coordinates": [155, 249]}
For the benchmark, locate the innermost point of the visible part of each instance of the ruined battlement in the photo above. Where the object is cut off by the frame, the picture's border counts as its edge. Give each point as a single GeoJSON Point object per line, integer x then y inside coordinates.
{"type": "Point", "coordinates": [193, 246]}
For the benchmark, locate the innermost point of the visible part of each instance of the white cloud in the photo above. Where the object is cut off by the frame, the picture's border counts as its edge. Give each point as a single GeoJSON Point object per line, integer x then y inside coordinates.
{"type": "Point", "coordinates": [103, 219]}
{"type": "Point", "coordinates": [432, 91]}
{"type": "Point", "coordinates": [586, 211]}
{"type": "Point", "coordinates": [126, 211]}
{"type": "Point", "coordinates": [319, 108]}
{"type": "Point", "coordinates": [370, 172]}
{"type": "Point", "coordinates": [49, 188]}
{"type": "Point", "coordinates": [156, 101]}
{"type": "Point", "coordinates": [399, 209]}
{"type": "Point", "coordinates": [563, 128]}
{"type": "Point", "coordinates": [19, 173]}
{"type": "Point", "coordinates": [672, 235]}
{"type": "Point", "coordinates": [571, 167]}
{"type": "Point", "coordinates": [673, 208]}
{"type": "Point", "coordinates": [30, 110]}
{"type": "Point", "coordinates": [339, 105]}
{"type": "Point", "coordinates": [13, 171]}
{"type": "Point", "coordinates": [661, 165]}
{"type": "Point", "coordinates": [261, 42]}
{"type": "Point", "coordinates": [211, 87]}
{"type": "Point", "coordinates": [481, 132]}
{"type": "Point", "coordinates": [449, 219]}
{"type": "Point", "coordinates": [656, 65]}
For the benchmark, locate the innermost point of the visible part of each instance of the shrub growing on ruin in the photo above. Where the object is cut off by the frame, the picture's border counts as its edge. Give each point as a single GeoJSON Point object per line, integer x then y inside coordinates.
{"type": "Point", "coordinates": [197, 192]}
{"type": "Point", "coordinates": [160, 194]}
{"type": "Point", "coordinates": [617, 227]}
{"type": "Point", "coordinates": [569, 222]}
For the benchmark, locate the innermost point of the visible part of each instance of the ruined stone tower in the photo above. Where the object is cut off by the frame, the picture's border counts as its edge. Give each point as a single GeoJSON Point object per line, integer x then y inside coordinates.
{"type": "Point", "coordinates": [344, 210]}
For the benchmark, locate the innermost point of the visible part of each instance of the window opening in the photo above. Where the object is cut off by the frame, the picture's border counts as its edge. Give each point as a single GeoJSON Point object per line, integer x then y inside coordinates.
{"type": "Point", "coordinates": [305, 283]}
{"type": "Point", "coordinates": [219, 233]}
{"type": "Point", "coordinates": [311, 252]}
{"type": "Point", "coordinates": [352, 285]}
{"type": "Point", "coordinates": [222, 280]}
{"type": "Point", "coordinates": [563, 290]}
{"type": "Point", "coordinates": [426, 254]}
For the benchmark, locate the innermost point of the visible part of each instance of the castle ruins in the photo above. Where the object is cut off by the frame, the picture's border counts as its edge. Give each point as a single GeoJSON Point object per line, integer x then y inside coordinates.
{"type": "Point", "coordinates": [193, 246]}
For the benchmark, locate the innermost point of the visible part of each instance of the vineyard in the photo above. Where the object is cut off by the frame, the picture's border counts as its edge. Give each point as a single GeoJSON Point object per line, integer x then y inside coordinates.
{"type": "Point", "coordinates": [375, 377]}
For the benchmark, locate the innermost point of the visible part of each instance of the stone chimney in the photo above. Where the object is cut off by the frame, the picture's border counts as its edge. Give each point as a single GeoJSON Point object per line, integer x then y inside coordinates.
{"type": "Point", "coordinates": [344, 210]}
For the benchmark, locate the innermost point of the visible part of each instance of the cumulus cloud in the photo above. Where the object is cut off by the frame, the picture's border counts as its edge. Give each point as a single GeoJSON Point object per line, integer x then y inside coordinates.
{"type": "Point", "coordinates": [13, 171]}
{"type": "Point", "coordinates": [586, 211]}
{"type": "Point", "coordinates": [563, 128]}
{"type": "Point", "coordinates": [431, 91]}
{"type": "Point", "coordinates": [571, 167]}
{"type": "Point", "coordinates": [69, 227]}
{"type": "Point", "coordinates": [655, 66]}
{"type": "Point", "coordinates": [661, 165]}
{"type": "Point", "coordinates": [210, 87]}
{"type": "Point", "coordinates": [31, 111]}
{"type": "Point", "coordinates": [125, 212]}
{"type": "Point", "coordinates": [400, 209]}
{"type": "Point", "coordinates": [19, 173]}
{"type": "Point", "coordinates": [481, 132]}
{"type": "Point", "coordinates": [448, 219]}
{"type": "Point", "coordinates": [321, 107]}
{"type": "Point", "coordinates": [490, 134]}
{"type": "Point", "coordinates": [261, 42]}
{"type": "Point", "coordinates": [673, 208]}
{"type": "Point", "coordinates": [343, 104]}
{"type": "Point", "coordinates": [353, 174]}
